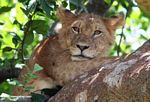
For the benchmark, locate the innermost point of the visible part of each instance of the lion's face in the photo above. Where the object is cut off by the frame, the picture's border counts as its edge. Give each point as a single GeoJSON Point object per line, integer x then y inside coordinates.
{"type": "Point", "coordinates": [86, 36]}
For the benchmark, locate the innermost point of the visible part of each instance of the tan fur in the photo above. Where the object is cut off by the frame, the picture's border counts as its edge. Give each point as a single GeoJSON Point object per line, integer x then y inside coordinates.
{"type": "Point", "coordinates": [58, 55]}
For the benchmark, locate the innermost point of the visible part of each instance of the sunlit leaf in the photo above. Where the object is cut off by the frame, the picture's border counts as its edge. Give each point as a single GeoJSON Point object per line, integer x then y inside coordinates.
{"type": "Point", "coordinates": [143, 37]}
{"type": "Point", "coordinates": [26, 12]}
{"type": "Point", "coordinates": [108, 1]}
{"type": "Point", "coordinates": [17, 23]}
{"type": "Point", "coordinates": [37, 68]}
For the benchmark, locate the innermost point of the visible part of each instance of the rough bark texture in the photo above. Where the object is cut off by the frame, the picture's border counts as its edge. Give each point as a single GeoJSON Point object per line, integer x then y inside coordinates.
{"type": "Point", "coordinates": [126, 79]}
{"type": "Point", "coordinates": [145, 5]}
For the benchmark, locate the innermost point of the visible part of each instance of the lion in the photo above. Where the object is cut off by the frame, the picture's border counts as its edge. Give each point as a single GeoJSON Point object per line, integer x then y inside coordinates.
{"type": "Point", "coordinates": [77, 48]}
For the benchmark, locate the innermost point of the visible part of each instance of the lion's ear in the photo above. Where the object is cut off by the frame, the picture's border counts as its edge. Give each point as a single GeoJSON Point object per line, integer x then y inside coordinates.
{"type": "Point", "coordinates": [115, 21]}
{"type": "Point", "coordinates": [65, 16]}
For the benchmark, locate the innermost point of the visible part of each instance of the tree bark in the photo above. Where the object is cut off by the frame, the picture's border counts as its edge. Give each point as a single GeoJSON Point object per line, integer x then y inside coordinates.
{"type": "Point", "coordinates": [126, 79]}
{"type": "Point", "coordinates": [144, 5]}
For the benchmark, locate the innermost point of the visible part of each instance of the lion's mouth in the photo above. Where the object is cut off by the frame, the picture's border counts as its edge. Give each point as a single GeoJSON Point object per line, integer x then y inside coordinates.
{"type": "Point", "coordinates": [80, 57]}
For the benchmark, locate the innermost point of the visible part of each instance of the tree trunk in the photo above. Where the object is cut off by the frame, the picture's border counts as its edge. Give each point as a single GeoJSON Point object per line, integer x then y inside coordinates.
{"type": "Point", "coordinates": [126, 79]}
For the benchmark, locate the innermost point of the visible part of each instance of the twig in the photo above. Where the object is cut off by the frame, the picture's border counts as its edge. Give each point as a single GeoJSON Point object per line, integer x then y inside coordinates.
{"type": "Point", "coordinates": [27, 29]}
{"type": "Point", "coordinates": [122, 33]}
{"type": "Point", "coordinates": [120, 40]}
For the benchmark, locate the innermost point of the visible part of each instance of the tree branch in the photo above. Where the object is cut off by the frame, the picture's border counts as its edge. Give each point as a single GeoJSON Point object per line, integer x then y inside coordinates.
{"type": "Point", "coordinates": [124, 79]}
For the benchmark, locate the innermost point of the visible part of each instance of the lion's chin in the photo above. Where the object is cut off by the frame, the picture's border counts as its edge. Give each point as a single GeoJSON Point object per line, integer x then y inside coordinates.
{"type": "Point", "coordinates": [80, 58]}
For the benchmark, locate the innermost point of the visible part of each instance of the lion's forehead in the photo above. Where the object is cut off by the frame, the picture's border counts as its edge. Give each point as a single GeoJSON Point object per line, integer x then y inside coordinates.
{"type": "Point", "coordinates": [89, 22]}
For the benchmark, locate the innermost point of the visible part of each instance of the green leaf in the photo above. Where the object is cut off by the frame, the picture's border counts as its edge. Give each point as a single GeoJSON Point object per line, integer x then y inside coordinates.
{"type": "Point", "coordinates": [1, 36]}
{"type": "Point", "coordinates": [45, 6]}
{"type": "Point", "coordinates": [40, 26]}
{"type": "Point", "coordinates": [108, 1]}
{"type": "Point", "coordinates": [1, 23]}
{"type": "Point", "coordinates": [32, 8]}
{"type": "Point", "coordinates": [17, 23]}
{"type": "Point", "coordinates": [21, 0]}
{"type": "Point", "coordinates": [72, 6]}
{"type": "Point", "coordinates": [15, 41]}
{"type": "Point", "coordinates": [29, 37]}
{"type": "Point", "coordinates": [7, 49]}
{"type": "Point", "coordinates": [15, 38]}
{"type": "Point", "coordinates": [5, 88]}
{"type": "Point", "coordinates": [64, 3]}
{"type": "Point", "coordinates": [0, 44]}
{"type": "Point", "coordinates": [5, 9]}
{"type": "Point", "coordinates": [37, 68]}
{"type": "Point", "coordinates": [76, 2]}
{"type": "Point", "coordinates": [26, 12]}
{"type": "Point", "coordinates": [32, 76]}
{"type": "Point", "coordinates": [18, 83]}
{"type": "Point", "coordinates": [143, 37]}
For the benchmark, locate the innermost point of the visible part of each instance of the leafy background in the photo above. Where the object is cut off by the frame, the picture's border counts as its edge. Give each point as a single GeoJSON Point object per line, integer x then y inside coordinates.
{"type": "Point", "coordinates": [24, 23]}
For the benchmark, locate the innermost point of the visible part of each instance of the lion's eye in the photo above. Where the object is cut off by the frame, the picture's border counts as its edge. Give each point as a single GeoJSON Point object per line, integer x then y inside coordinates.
{"type": "Point", "coordinates": [97, 33]}
{"type": "Point", "coordinates": [75, 29]}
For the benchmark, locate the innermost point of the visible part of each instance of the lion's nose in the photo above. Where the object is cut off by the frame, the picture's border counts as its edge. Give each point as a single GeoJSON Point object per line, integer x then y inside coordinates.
{"type": "Point", "coordinates": [82, 47]}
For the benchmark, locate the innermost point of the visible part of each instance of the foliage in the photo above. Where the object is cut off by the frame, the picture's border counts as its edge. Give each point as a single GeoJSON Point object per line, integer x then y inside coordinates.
{"type": "Point", "coordinates": [24, 23]}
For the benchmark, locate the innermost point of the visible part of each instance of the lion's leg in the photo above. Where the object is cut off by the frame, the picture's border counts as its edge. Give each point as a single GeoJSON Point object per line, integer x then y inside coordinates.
{"type": "Point", "coordinates": [42, 81]}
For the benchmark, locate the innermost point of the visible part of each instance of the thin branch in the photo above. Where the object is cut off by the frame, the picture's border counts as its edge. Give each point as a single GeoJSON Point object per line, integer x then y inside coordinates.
{"type": "Point", "coordinates": [120, 40]}
{"type": "Point", "coordinates": [129, 8]}
{"type": "Point", "coordinates": [27, 29]}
